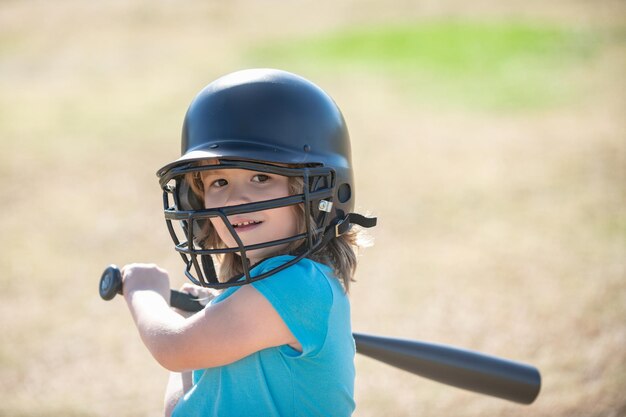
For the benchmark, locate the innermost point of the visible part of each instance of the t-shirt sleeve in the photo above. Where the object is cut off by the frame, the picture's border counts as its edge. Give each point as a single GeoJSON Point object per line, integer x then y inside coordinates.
{"type": "Point", "coordinates": [302, 296]}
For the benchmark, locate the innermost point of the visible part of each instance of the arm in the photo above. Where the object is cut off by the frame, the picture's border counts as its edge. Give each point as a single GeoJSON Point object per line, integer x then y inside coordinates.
{"type": "Point", "coordinates": [177, 387]}
{"type": "Point", "coordinates": [220, 334]}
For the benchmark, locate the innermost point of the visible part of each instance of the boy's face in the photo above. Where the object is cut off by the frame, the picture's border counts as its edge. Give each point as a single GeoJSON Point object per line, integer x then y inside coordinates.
{"type": "Point", "coordinates": [231, 187]}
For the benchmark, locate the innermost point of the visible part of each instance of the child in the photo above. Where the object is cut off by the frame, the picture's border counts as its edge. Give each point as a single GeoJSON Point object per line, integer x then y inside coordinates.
{"type": "Point", "coordinates": [265, 187]}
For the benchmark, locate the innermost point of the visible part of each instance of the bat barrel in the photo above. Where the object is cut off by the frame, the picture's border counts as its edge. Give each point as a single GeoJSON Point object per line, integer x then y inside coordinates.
{"type": "Point", "coordinates": [461, 368]}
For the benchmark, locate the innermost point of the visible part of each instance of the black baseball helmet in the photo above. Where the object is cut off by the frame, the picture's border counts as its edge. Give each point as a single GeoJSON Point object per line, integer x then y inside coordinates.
{"type": "Point", "coordinates": [269, 121]}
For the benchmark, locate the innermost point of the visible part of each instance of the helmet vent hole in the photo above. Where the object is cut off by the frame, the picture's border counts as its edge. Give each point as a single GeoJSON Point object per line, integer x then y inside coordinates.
{"type": "Point", "coordinates": [344, 193]}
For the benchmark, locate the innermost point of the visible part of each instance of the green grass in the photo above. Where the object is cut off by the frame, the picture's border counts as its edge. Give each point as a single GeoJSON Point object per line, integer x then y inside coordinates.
{"type": "Point", "coordinates": [494, 65]}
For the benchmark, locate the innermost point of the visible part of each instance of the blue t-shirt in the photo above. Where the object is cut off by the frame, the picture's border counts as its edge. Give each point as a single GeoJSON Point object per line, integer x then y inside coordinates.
{"type": "Point", "coordinates": [280, 381]}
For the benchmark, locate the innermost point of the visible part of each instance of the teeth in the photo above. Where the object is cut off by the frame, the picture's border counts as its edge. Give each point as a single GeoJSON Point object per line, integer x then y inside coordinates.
{"type": "Point", "coordinates": [245, 223]}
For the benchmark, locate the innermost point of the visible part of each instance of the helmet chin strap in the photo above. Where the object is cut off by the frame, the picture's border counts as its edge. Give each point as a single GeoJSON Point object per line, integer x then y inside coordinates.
{"type": "Point", "coordinates": [340, 226]}
{"type": "Point", "coordinates": [208, 267]}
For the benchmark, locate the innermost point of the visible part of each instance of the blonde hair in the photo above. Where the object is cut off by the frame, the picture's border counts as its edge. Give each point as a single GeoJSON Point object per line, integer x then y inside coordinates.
{"type": "Point", "coordinates": [339, 253]}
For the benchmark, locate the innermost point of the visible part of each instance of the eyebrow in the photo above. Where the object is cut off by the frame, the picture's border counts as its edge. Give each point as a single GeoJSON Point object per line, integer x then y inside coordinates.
{"type": "Point", "coordinates": [212, 173]}
{"type": "Point", "coordinates": [219, 172]}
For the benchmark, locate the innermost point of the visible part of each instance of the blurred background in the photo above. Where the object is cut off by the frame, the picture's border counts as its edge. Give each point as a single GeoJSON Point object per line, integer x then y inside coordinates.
{"type": "Point", "coordinates": [489, 138]}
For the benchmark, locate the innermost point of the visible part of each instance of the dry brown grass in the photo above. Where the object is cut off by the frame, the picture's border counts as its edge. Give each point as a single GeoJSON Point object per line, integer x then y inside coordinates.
{"type": "Point", "coordinates": [503, 233]}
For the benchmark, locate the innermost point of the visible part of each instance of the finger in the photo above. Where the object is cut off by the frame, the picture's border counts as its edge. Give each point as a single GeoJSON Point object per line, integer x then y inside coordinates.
{"type": "Point", "coordinates": [204, 295]}
{"type": "Point", "coordinates": [205, 299]}
{"type": "Point", "coordinates": [123, 272]}
{"type": "Point", "coordinates": [190, 289]}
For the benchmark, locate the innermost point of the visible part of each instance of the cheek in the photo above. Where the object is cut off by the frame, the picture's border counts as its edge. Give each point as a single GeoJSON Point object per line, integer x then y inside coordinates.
{"type": "Point", "coordinates": [220, 228]}
{"type": "Point", "coordinates": [211, 201]}
{"type": "Point", "coordinates": [289, 219]}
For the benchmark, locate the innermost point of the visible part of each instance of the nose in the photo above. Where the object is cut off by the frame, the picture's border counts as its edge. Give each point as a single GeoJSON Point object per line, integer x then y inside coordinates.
{"type": "Point", "coordinates": [237, 194]}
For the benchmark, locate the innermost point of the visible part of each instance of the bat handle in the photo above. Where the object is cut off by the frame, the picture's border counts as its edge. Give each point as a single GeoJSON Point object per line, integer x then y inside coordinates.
{"type": "Point", "coordinates": [111, 285]}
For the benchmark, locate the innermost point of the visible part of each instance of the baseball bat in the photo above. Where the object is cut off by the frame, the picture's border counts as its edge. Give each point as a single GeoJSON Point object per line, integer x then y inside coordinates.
{"type": "Point", "coordinates": [461, 368]}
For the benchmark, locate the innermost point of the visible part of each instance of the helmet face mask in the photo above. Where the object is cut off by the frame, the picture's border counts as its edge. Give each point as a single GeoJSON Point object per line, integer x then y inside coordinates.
{"type": "Point", "coordinates": [183, 208]}
{"type": "Point", "coordinates": [266, 121]}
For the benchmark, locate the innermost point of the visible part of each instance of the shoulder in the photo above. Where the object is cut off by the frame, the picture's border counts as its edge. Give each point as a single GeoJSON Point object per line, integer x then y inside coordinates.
{"type": "Point", "coordinates": [302, 294]}
{"type": "Point", "coordinates": [303, 274]}
{"type": "Point", "coordinates": [303, 265]}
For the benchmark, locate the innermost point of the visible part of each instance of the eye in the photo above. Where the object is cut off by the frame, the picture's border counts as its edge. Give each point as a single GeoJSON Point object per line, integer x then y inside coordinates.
{"type": "Point", "coordinates": [219, 183]}
{"type": "Point", "coordinates": [260, 178]}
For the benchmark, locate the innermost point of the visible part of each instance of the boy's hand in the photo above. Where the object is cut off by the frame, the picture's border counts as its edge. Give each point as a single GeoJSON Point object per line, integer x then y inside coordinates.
{"type": "Point", "coordinates": [204, 296]}
{"type": "Point", "coordinates": [145, 277]}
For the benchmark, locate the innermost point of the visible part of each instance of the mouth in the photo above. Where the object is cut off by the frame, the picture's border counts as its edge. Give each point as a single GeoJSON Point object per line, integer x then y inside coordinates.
{"type": "Point", "coordinates": [246, 225]}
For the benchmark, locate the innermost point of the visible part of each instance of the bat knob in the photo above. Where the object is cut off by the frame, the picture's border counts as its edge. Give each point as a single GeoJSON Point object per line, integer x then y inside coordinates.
{"type": "Point", "coordinates": [110, 282]}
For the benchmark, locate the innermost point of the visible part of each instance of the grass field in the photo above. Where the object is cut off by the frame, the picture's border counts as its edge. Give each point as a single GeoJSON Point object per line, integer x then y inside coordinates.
{"type": "Point", "coordinates": [490, 140]}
